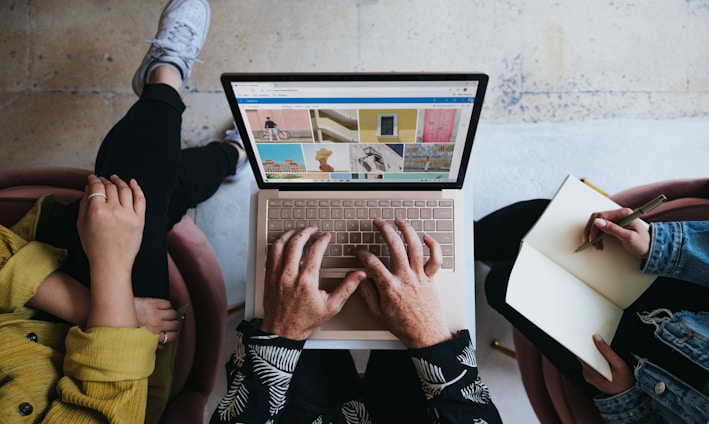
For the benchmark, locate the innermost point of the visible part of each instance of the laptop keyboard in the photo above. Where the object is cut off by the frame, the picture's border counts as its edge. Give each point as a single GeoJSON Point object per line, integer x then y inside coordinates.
{"type": "Point", "coordinates": [349, 221]}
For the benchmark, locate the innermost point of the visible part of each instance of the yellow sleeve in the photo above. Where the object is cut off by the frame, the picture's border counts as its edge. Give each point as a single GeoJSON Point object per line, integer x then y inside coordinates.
{"type": "Point", "coordinates": [23, 267]}
{"type": "Point", "coordinates": [25, 263]}
{"type": "Point", "coordinates": [105, 376]}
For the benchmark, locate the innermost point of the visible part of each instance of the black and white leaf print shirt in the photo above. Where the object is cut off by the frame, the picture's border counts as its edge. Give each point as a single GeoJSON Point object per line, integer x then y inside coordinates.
{"type": "Point", "coordinates": [260, 370]}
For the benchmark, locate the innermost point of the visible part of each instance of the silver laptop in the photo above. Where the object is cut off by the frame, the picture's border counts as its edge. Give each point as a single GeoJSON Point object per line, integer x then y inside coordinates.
{"type": "Point", "coordinates": [337, 151]}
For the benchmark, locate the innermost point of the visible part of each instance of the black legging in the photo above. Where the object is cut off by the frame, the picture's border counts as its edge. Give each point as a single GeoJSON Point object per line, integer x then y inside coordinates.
{"type": "Point", "coordinates": [145, 145]}
{"type": "Point", "coordinates": [497, 238]}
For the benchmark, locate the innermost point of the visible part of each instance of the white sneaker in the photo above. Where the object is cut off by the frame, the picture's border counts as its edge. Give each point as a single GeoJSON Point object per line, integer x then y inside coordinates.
{"type": "Point", "coordinates": [181, 33]}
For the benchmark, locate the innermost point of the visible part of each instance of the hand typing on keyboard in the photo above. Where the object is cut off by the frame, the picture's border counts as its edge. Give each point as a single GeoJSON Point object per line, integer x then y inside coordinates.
{"type": "Point", "coordinates": [402, 296]}
{"type": "Point", "coordinates": [294, 305]}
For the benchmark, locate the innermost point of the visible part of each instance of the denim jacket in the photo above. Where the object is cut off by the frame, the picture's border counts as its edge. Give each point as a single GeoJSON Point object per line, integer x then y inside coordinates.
{"type": "Point", "coordinates": [678, 250]}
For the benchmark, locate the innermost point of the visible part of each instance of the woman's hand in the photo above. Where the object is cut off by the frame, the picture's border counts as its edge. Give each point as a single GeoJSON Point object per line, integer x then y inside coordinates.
{"type": "Point", "coordinates": [623, 378]}
{"type": "Point", "coordinates": [158, 316]}
{"type": "Point", "coordinates": [111, 220]}
{"type": "Point", "coordinates": [110, 225]}
{"type": "Point", "coordinates": [634, 237]}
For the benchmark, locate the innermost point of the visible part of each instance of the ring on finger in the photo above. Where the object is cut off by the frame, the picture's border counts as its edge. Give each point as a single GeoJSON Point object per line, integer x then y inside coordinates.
{"type": "Point", "coordinates": [164, 338]}
{"type": "Point", "coordinates": [98, 194]}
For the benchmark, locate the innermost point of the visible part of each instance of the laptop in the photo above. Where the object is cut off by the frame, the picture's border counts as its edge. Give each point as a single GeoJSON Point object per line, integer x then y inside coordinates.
{"type": "Point", "coordinates": [337, 151]}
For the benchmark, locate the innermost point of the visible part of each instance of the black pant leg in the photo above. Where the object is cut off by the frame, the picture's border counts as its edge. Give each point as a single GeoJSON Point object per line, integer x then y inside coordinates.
{"type": "Point", "coordinates": [497, 235]}
{"type": "Point", "coordinates": [323, 380]}
{"type": "Point", "coordinates": [392, 389]}
{"type": "Point", "coordinates": [201, 172]}
{"type": "Point", "coordinates": [144, 145]}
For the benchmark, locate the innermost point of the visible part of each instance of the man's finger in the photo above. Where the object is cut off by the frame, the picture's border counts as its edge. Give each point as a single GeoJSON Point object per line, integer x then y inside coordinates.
{"type": "Point", "coordinates": [314, 255]}
{"type": "Point", "coordinates": [375, 268]}
{"type": "Point", "coordinates": [343, 291]}
{"type": "Point", "coordinates": [370, 296]}
{"type": "Point", "coordinates": [413, 244]}
{"type": "Point", "coordinates": [397, 250]}
{"type": "Point", "coordinates": [436, 256]}
{"type": "Point", "coordinates": [274, 259]}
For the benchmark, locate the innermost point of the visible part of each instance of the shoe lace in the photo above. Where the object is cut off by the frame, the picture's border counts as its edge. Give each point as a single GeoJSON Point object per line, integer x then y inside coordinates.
{"type": "Point", "coordinates": [179, 36]}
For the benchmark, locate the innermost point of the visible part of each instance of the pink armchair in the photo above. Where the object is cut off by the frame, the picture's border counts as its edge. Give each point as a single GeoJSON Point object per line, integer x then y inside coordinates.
{"type": "Point", "coordinates": [554, 399]}
{"type": "Point", "coordinates": [195, 280]}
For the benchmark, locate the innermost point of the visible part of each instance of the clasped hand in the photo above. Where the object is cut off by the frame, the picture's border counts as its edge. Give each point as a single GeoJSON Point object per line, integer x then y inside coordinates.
{"type": "Point", "coordinates": [111, 226]}
{"type": "Point", "coordinates": [403, 298]}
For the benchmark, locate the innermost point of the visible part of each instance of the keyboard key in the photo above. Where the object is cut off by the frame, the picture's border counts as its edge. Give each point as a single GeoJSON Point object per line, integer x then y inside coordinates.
{"type": "Point", "coordinates": [444, 225]}
{"type": "Point", "coordinates": [443, 213]}
{"type": "Point", "coordinates": [447, 263]}
{"type": "Point", "coordinates": [442, 238]}
{"type": "Point", "coordinates": [335, 250]}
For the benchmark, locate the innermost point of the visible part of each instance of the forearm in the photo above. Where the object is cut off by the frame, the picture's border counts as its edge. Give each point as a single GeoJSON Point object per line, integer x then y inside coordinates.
{"type": "Point", "coordinates": [259, 373]}
{"type": "Point", "coordinates": [449, 379]}
{"type": "Point", "coordinates": [112, 303]}
{"type": "Point", "coordinates": [62, 296]}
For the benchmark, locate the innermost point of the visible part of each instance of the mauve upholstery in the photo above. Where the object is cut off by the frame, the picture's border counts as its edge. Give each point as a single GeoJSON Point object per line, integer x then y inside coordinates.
{"type": "Point", "coordinates": [554, 399]}
{"type": "Point", "coordinates": [195, 280]}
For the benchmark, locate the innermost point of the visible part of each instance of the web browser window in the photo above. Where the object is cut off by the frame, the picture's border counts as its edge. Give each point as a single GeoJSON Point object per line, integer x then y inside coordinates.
{"type": "Point", "coordinates": [357, 131]}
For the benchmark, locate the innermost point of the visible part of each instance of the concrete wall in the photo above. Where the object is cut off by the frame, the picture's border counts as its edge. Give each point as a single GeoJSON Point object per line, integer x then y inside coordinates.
{"type": "Point", "coordinates": [66, 65]}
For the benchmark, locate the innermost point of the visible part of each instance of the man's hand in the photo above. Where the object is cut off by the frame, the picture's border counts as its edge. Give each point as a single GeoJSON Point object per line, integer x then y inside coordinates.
{"type": "Point", "coordinates": [405, 299]}
{"type": "Point", "coordinates": [623, 378]}
{"type": "Point", "coordinates": [634, 237]}
{"type": "Point", "coordinates": [294, 306]}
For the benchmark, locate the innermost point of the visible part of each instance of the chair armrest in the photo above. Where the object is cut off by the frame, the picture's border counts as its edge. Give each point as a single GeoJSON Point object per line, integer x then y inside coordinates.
{"type": "Point", "coordinates": [73, 178]}
{"type": "Point", "coordinates": [688, 199]}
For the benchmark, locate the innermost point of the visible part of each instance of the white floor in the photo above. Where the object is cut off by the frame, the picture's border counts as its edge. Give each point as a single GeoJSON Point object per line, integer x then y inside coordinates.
{"type": "Point", "coordinates": [510, 162]}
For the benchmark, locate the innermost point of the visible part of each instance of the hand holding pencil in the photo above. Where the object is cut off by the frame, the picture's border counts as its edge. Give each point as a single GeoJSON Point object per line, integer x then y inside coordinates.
{"type": "Point", "coordinates": [623, 225]}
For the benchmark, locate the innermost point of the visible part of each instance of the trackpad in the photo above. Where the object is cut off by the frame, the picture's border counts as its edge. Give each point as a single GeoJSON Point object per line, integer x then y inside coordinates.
{"type": "Point", "coordinates": [354, 316]}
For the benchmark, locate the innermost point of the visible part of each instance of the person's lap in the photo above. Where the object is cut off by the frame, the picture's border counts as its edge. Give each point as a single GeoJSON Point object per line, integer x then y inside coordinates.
{"type": "Point", "coordinates": [326, 379]}
{"type": "Point", "coordinates": [145, 144]}
{"type": "Point", "coordinates": [496, 240]}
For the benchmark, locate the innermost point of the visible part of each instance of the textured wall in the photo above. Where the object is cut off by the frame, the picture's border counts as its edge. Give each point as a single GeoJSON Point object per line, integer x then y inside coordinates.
{"type": "Point", "coordinates": [66, 65]}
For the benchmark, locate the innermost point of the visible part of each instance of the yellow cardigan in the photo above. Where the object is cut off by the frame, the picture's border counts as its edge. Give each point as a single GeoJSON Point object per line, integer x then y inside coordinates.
{"type": "Point", "coordinates": [51, 372]}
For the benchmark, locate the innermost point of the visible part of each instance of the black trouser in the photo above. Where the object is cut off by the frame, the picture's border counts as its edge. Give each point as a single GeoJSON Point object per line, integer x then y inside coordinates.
{"type": "Point", "coordinates": [326, 379]}
{"type": "Point", "coordinates": [497, 238]}
{"type": "Point", "coordinates": [146, 145]}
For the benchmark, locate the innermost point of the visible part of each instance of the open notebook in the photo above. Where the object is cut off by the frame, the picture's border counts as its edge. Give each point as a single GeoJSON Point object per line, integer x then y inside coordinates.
{"type": "Point", "coordinates": [338, 150]}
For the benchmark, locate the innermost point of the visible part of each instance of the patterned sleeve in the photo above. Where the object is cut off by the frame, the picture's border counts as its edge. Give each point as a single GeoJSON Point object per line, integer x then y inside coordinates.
{"type": "Point", "coordinates": [449, 378]}
{"type": "Point", "coordinates": [258, 375]}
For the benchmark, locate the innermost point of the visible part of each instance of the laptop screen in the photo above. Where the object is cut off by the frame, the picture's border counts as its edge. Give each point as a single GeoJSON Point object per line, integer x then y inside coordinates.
{"type": "Point", "coordinates": [357, 130]}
